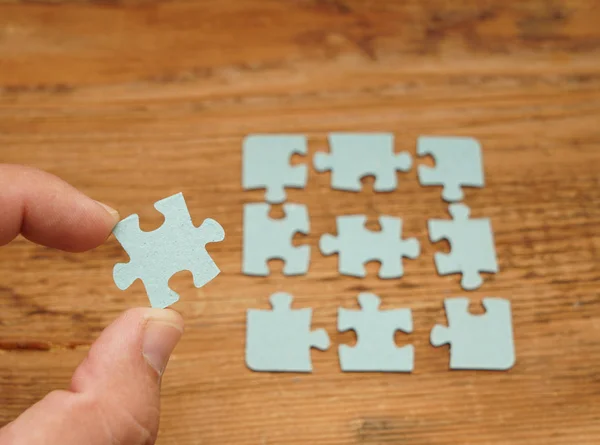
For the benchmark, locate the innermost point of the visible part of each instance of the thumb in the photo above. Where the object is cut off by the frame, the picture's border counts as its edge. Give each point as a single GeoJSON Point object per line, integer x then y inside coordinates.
{"type": "Point", "coordinates": [114, 395]}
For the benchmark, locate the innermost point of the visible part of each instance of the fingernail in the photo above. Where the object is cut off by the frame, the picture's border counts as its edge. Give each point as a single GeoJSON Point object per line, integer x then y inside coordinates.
{"type": "Point", "coordinates": [163, 331]}
{"type": "Point", "coordinates": [112, 212]}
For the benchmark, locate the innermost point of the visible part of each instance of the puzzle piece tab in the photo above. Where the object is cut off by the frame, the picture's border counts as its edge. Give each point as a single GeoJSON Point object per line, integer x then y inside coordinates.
{"type": "Point", "coordinates": [472, 246]}
{"type": "Point", "coordinates": [356, 155]}
{"type": "Point", "coordinates": [266, 239]}
{"type": "Point", "coordinates": [477, 341]}
{"type": "Point", "coordinates": [280, 340]}
{"type": "Point", "coordinates": [375, 350]}
{"type": "Point", "coordinates": [175, 246]}
{"type": "Point", "coordinates": [458, 163]}
{"type": "Point", "coordinates": [357, 245]}
{"type": "Point", "coordinates": [266, 164]}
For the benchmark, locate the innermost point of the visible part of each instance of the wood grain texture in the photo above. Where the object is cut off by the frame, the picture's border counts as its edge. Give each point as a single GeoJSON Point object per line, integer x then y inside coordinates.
{"type": "Point", "coordinates": [134, 100]}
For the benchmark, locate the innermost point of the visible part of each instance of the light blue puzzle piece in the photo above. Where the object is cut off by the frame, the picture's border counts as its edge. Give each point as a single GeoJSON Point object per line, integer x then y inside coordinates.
{"type": "Point", "coordinates": [266, 164]}
{"type": "Point", "coordinates": [458, 163]}
{"type": "Point", "coordinates": [281, 340]}
{"type": "Point", "coordinates": [356, 155]}
{"type": "Point", "coordinates": [472, 246]}
{"type": "Point", "coordinates": [375, 350]}
{"type": "Point", "coordinates": [175, 246]}
{"type": "Point", "coordinates": [266, 238]}
{"type": "Point", "coordinates": [357, 245]}
{"type": "Point", "coordinates": [477, 341]}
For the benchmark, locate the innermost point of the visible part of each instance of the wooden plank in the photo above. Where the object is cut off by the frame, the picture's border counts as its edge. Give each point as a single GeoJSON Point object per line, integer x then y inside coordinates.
{"type": "Point", "coordinates": [134, 101]}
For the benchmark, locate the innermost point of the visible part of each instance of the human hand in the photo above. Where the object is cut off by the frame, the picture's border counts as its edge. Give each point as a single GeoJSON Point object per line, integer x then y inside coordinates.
{"type": "Point", "coordinates": [114, 396]}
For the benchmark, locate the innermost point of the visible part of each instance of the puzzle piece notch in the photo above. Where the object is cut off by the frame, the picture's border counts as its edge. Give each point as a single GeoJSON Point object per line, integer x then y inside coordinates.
{"type": "Point", "coordinates": [472, 246]}
{"type": "Point", "coordinates": [266, 164]}
{"type": "Point", "coordinates": [266, 238]}
{"type": "Point", "coordinates": [356, 245]}
{"type": "Point", "coordinates": [354, 156]}
{"type": "Point", "coordinates": [458, 163]}
{"type": "Point", "coordinates": [376, 350]}
{"type": "Point", "coordinates": [157, 255]}
{"type": "Point", "coordinates": [280, 340]}
{"type": "Point", "coordinates": [477, 341]}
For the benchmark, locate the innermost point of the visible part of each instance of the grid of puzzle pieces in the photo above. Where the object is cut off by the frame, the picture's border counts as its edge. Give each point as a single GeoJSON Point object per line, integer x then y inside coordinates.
{"type": "Point", "coordinates": [352, 156]}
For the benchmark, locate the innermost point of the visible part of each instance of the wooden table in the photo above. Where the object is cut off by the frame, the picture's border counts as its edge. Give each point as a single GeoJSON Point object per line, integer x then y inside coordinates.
{"type": "Point", "coordinates": [133, 101]}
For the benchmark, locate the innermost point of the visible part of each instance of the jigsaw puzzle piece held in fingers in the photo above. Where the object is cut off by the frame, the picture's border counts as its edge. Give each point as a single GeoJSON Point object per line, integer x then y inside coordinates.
{"type": "Point", "coordinates": [280, 340]}
{"type": "Point", "coordinates": [266, 239]}
{"type": "Point", "coordinates": [458, 163]}
{"type": "Point", "coordinates": [266, 164]}
{"type": "Point", "coordinates": [175, 246]}
{"type": "Point", "coordinates": [353, 156]}
{"type": "Point", "coordinates": [472, 246]}
{"type": "Point", "coordinates": [477, 341]}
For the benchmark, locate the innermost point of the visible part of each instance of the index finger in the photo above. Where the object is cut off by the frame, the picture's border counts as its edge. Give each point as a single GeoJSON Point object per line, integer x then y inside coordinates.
{"type": "Point", "coordinates": [48, 211]}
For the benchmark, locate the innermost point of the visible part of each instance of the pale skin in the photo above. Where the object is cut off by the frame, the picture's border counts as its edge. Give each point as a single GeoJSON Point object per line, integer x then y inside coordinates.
{"type": "Point", "coordinates": [114, 396]}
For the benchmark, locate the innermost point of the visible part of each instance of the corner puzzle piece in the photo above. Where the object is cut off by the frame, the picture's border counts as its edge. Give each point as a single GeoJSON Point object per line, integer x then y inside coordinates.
{"type": "Point", "coordinates": [175, 246]}
{"type": "Point", "coordinates": [458, 163]}
{"type": "Point", "coordinates": [472, 246]}
{"type": "Point", "coordinates": [266, 164]}
{"type": "Point", "coordinates": [477, 341]}
{"type": "Point", "coordinates": [356, 155]}
{"type": "Point", "coordinates": [357, 245]}
{"type": "Point", "coordinates": [375, 350]}
{"type": "Point", "coordinates": [280, 340]}
{"type": "Point", "coordinates": [266, 238]}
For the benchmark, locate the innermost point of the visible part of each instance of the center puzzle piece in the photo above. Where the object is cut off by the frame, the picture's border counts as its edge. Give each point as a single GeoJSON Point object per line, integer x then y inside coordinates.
{"type": "Point", "coordinates": [357, 245]}
{"type": "Point", "coordinates": [175, 246]}
{"type": "Point", "coordinates": [472, 246]}
{"type": "Point", "coordinates": [266, 164]}
{"type": "Point", "coordinates": [356, 155]}
{"type": "Point", "coordinates": [477, 341]}
{"type": "Point", "coordinates": [375, 350]}
{"type": "Point", "coordinates": [266, 238]}
{"type": "Point", "coordinates": [280, 340]}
